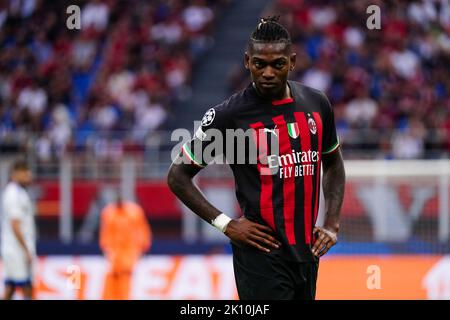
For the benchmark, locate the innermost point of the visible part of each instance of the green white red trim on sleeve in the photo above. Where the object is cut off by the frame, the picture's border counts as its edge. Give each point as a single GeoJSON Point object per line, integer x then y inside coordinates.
{"type": "Point", "coordinates": [333, 148]}
{"type": "Point", "coordinates": [187, 151]}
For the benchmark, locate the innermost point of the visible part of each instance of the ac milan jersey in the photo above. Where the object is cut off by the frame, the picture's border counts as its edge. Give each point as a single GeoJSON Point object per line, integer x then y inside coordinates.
{"type": "Point", "coordinates": [281, 189]}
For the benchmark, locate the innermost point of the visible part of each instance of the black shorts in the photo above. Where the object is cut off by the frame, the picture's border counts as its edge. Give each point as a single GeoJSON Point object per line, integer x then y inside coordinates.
{"type": "Point", "coordinates": [269, 276]}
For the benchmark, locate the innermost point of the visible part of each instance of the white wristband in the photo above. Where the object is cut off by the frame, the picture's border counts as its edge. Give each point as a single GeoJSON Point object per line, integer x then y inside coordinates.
{"type": "Point", "coordinates": [221, 222]}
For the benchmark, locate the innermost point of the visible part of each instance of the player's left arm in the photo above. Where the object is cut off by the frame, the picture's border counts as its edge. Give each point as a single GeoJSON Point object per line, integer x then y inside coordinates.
{"type": "Point", "coordinates": [333, 180]}
{"type": "Point", "coordinates": [333, 189]}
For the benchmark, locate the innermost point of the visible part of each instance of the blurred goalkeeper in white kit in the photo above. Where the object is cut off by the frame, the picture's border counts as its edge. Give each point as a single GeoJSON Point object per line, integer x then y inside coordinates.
{"type": "Point", "coordinates": [18, 245]}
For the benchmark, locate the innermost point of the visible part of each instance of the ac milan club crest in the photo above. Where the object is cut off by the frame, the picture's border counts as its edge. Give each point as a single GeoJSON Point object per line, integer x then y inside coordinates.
{"type": "Point", "coordinates": [312, 125]}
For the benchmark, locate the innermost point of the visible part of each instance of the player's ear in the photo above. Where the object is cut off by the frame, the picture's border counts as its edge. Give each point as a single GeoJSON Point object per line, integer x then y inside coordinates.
{"type": "Point", "coordinates": [293, 59]}
{"type": "Point", "coordinates": [246, 60]}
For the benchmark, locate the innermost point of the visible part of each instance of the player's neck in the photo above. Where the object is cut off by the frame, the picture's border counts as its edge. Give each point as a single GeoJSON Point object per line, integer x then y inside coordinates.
{"type": "Point", "coordinates": [22, 185]}
{"type": "Point", "coordinates": [286, 94]}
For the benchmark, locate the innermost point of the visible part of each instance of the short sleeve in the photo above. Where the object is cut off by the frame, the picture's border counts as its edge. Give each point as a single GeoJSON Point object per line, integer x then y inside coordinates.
{"type": "Point", "coordinates": [208, 141]}
{"type": "Point", "coordinates": [330, 137]}
{"type": "Point", "coordinates": [12, 205]}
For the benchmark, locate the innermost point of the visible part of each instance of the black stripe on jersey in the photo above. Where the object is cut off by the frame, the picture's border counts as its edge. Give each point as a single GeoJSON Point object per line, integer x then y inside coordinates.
{"type": "Point", "coordinates": [299, 222]}
{"type": "Point", "coordinates": [315, 181]}
{"type": "Point", "coordinates": [277, 190]}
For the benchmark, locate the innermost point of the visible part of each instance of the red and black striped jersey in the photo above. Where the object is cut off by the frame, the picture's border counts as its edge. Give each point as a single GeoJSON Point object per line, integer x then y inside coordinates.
{"type": "Point", "coordinates": [281, 188]}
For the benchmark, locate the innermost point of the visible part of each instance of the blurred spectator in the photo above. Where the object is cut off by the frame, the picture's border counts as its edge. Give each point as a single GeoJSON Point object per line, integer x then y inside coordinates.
{"type": "Point", "coordinates": [33, 98]}
{"type": "Point", "coordinates": [169, 32]}
{"type": "Point", "coordinates": [197, 16]}
{"type": "Point", "coordinates": [43, 150]}
{"type": "Point", "coordinates": [83, 52]}
{"type": "Point", "coordinates": [22, 8]}
{"type": "Point", "coordinates": [104, 115]}
{"type": "Point", "coordinates": [60, 128]}
{"type": "Point", "coordinates": [318, 77]}
{"type": "Point", "coordinates": [408, 143]}
{"type": "Point", "coordinates": [361, 110]}
{"type": "Point", "coordinates": [95, 14]}
{"type": "Point", "coordinates": [405, 62]}
{"type": "Point", "coordinates": [148, 117]}
{"type": "Point", "coordinates": [42, 48]}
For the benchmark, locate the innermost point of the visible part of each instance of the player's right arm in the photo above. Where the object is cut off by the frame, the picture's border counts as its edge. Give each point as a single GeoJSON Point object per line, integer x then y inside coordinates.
{"type": "Point", "coordinates": [180, 180]}
{"type": "Point", "coordinates": [15, 224]}
{"type": "Point", "coordinates": [243, 231]}
{"type": "Point", "coordinates": [15, 214]}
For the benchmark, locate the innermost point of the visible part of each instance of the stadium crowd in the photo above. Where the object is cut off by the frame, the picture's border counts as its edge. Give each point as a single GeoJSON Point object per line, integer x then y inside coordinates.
{"type": "Point", "coordinates": [389, 87]}
{"type": "Point", "coordinates": [107, 86]}
{"type": "Point", "coordinates": [103, 87]}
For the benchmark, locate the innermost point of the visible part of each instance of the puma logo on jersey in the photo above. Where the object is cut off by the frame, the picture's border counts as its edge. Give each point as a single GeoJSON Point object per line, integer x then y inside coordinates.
{"type": "Point", "coordinates": [273, 131]}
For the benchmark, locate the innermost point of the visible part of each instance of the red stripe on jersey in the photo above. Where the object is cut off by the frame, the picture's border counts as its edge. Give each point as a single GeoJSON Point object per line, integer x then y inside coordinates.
{"type": "Point", "coordinates": [319, 126]}
{"type": "Point", "coordinates": [305, 141]}
{"type": "Point", "coordinates": [282, 101]}
{"type": "Point", "coordinates": [288, 182]}
{"type": "Point", "coordinates": [265, 201]}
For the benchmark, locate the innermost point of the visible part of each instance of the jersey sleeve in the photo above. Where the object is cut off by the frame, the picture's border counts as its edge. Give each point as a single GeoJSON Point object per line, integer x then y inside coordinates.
{"type": "Point", "coordinates": [12, 205]}
{"type": "Point", "coordinates": [330, 137]}
{"type": "Point", "coordinates": [208, 142]}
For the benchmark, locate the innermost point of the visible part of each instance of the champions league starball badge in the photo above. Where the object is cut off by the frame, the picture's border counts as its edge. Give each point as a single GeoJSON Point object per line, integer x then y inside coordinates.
{"type": "Point", "coordinates": [208, 118]}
